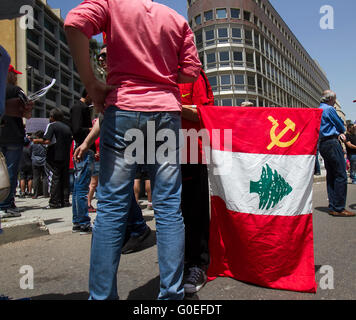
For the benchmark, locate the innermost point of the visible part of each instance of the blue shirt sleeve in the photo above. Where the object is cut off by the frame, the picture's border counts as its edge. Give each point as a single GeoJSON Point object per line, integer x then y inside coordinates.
{"type": "Point", "coordinates": [336, 120]}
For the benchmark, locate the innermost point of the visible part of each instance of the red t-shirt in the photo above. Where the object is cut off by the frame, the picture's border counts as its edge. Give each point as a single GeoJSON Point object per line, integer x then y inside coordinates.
{"type": "Point", "coordinates": [146, 42]}
{"type": "Point", "coordinates": [71, 164]}
{"type": "Point", "coordinates": [199, 94]}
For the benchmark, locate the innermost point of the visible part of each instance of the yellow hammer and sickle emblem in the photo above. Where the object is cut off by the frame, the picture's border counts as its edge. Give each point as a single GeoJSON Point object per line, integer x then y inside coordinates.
{"type": "Point", "coordinates": [276, 140]}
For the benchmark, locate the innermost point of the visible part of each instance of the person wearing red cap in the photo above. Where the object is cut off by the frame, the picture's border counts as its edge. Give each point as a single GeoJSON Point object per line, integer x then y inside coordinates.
{"type": "Point", "coordinates": [12, 134]}
{"type": "Point", "coordinates": [16, 106]}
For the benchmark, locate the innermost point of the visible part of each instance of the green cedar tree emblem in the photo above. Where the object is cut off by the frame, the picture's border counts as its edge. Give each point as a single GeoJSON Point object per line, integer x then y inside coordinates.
{"type": "Point", "coordinates": [272, 188]}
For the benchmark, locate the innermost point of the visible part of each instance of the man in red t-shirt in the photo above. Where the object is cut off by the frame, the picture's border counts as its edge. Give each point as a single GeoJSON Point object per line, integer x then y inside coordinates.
{"type": "Point", "coordinates": [195, 189]}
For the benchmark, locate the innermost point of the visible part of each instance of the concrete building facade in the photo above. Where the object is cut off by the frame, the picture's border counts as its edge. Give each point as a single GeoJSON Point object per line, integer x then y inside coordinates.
{"type": "Point", "coordinates": [41, 53]}
{"type": "Point", "coordinates": [249, 53]}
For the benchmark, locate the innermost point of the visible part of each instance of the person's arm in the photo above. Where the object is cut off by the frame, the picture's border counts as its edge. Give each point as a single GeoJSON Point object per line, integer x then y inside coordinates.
{"type": "Point", "coordinates": [79, 47]}
{"type": "Point", "coordinates": [88, 142]}
{"type": "Point", "coordinates": [189, 62]}
{"type": "Point", "coordinates": [338, 123]}
{"type": "Point", "coordinates": [87, 19]}
{"type": "Point", "coordinates": [14, 107]}
{"type": "Point", "coordinates": [350, 145]}
{"type": "Point", "coordinates": [190, 113]}
{"type": "Point", "coordinates": [41, 141]}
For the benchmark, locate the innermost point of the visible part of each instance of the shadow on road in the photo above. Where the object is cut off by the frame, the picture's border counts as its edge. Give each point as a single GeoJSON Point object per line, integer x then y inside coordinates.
{"type": "Point", "coordinates": [352, 206]}
{"type": "Point", "coordinates": [148, 291]}
{"type": "Point", "coordinates": [52, 221]}
{"type": "Point", "coordinates": [323, 209]}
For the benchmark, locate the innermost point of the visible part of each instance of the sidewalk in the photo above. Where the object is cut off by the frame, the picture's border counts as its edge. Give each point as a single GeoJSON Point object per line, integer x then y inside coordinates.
{"type": "Point", "coordinates": [35, 221]}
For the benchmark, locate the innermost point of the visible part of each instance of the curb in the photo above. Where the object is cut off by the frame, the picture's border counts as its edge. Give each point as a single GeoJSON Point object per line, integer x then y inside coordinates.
{"type": "Point", "coordinates": [22, 231]}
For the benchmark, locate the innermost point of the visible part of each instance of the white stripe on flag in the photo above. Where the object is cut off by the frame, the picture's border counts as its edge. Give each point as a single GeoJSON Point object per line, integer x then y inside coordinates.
{"type": "Point", "coordinates": [239, 169]}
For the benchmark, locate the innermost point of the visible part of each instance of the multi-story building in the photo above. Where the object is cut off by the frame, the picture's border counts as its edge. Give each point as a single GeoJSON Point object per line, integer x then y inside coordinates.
{"type": "Point", "coordinates": [41, 53]}
{"type": "Point", "coordinates": [249, 53]}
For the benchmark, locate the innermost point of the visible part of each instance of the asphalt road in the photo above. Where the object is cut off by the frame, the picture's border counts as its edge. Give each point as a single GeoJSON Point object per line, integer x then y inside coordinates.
{"type": "Point", "coordinates": [60, 264]}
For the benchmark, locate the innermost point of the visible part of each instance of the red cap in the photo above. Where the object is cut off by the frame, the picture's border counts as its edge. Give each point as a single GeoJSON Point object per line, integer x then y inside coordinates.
{"type": "Point", "coordinates": [12, 69]}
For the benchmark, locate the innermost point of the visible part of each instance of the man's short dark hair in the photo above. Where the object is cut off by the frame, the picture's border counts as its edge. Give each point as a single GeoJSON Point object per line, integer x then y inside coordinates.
{"type": "Point", "coordinates": [39, 134]}
{"type": "Point", "coordinates": [56, 114]}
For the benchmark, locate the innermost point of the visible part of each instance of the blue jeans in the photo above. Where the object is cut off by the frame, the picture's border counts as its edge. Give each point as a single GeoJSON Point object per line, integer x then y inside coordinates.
{"type": "Point", "coordinates": [82, 176]}
{"type": "Point", "coordinates": [136, 224]}
{"type": "Point", "coordinates": [115, 195]}
{"type": "Point", "coordinates": [71, 180]}
{"type": "Point", "coordinates": [352, 159]}
{"type": "Point", "coordinates": [336, 177]}
{"type": "Point", "coordinates": [12, 154]}
{"type": "Point", "coordinates": [317, 164]}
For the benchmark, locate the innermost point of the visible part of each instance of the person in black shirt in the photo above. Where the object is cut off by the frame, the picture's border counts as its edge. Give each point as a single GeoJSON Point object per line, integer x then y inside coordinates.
{"type": "Point", "coordinates": [58, 137]}
{"type": "Point", "coordinates": [81, 121]}
{"type": "Point", "coordinates": [351, 150]}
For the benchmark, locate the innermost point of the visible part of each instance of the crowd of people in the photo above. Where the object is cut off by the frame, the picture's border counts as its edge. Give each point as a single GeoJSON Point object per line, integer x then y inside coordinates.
{"type": "Point", "coordinates": [152, 76]}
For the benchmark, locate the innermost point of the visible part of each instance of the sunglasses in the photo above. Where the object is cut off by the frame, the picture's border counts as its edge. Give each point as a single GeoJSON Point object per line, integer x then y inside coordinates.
{"type": "Point", "coordinates": [102, 57]}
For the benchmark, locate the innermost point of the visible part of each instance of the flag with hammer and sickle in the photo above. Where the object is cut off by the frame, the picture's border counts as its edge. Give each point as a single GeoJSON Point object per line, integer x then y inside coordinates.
{"type": "Point", "coordinates": [261, 182]}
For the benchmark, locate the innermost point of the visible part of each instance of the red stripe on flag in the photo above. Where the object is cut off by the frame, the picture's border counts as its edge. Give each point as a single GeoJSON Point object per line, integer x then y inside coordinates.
{"type": "Point", "coordinates": [285, 131]}
{"type": "Point", "coordinates": [270, 251]}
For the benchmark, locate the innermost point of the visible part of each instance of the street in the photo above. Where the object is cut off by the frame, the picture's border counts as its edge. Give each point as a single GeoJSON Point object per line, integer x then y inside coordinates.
{"type": "Point", "coordinates": [60, 264]}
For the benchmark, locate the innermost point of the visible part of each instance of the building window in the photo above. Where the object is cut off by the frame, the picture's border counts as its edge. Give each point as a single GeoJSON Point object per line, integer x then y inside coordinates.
{"type": "Point", "coordinates": [64, 59]}
{"type": "Point", "coordinates": [214, 83]}
{"type": "Point", "coordinates": [226, 102]}
{"type": "Point", "coordinates": [251, 83]}
{"type": "Point", "coordinates": [197, 20]}
{"type": "Point", "coordinates": [257, 41]}
{"type": "Point", "coordinates": [62, 36]}
{"type": "Point", "coordinates": [65, 101]}
{"type": "Point", "coordinates": [49, 26]}
{"type": "Point", "coordinates": [259, 84]}
{"type": "Point", "coordinates": [208, 15]}
{"type": "Point", "coordinates": [235, 13]}
{"type": "Point", "coordinates": [77, 87]}
{"type": "Point", "coordinates": [209, 37]}
{"type": "Point", "coordinates": [33, 36]}
{"type": "Point", "coordinates": [249, 60]}
{"type": "Point", "coordinates": [50, 71]}
{"type": "Point", "coordinates": [239, 82]}
{"type": "Point", "coordinates": [65, 80]}
{"type": "Point", "coordinates": [248, 37]}
{"type": "Point", "coordinates": [50, 49]}
{"type": "Point", "coordinates": [223, 35]}
{"type": "Point", "coordinates": [199, 39]}
{"type": "Point", "coordinates": [221, 14]}
{"type": "Point", "coordinates": [247, 16]}
{"type": "Point", "coordinates": [239, 101]}
{"type": "Point", "coordinates": [224, 58]}
{"type": "Point", "coordinates": [258, 63]}
{"type": "Point", "coordinates": [211, 60]}
{"type": "Point", "coordinates": [236, 35]}
{"type": "Point", "coordinates": [51, 95]}
{"type": "Point", "coordinates": [225, 82]}
{"type": "Point", "coordinates": [238, 59]}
